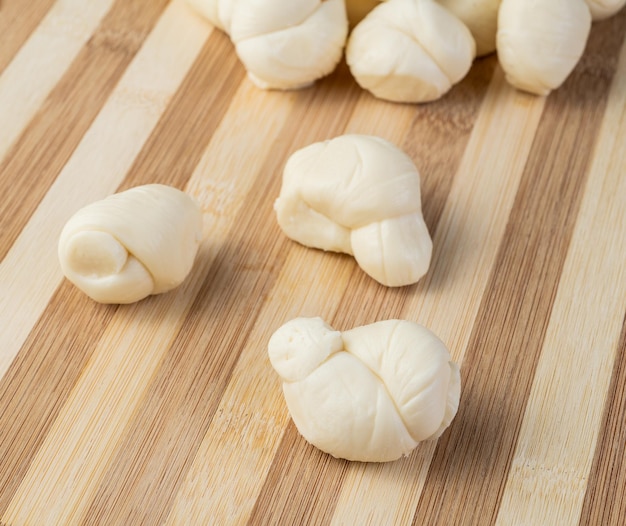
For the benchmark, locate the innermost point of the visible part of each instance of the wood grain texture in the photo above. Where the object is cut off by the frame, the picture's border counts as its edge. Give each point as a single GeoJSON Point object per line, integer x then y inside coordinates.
{"type": "Point", "coordinates": [604, 497]}
{"type": "Point", "coordinates": [516, 306]}
{"type": "Point", "coordinates": [167, 411]}
{"type": "Point", "coordinates": [107, 151]}
{"type": "Point", "coordinates": [539, 471]}
{"type": "Point", "coordinates": [42, 61]}
{"type": "Point", "coordinates": [17, 21]}
{"type": "Point", "coordinates": [34, 161]}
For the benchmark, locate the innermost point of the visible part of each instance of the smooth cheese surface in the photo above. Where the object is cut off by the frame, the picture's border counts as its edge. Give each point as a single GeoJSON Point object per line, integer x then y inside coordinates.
{"type": "Point", "coordinates": [371, 393]}
{"type": "Point", "coordinates": [132, 244]}
{"type": "Point", "coordinates": [359, 195]}
{"type": "Point", "coordinates": [410, 51]}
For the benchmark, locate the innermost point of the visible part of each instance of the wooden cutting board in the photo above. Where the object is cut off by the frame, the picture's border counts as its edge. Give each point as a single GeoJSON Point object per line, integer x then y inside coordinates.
{"type": "Point", "coordinates": [168, 411]}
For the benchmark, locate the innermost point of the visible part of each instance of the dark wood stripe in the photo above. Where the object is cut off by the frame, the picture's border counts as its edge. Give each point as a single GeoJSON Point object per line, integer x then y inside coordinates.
{"type": "Point", "coordinates": [293, 481]}
{"type": "Point", "coordinates": [605, 498]}
{"type": "Point", "coordinates": [440, 133]}
{"type": "Point", "coordinates": [40, 379]}
{"type": "Point", "coordinates": [506, 342]}
{"type": "Point", "coordinates": [161, 442]}
{"type": "Point", "coordinates": [195, 113]}
{"type": "Point", "coordinates": [18, 19]}
{"type": "Point", "coordinates": [39, 154]}
{"type": "Point", "coordinates": [58, 357]}
{"type": "Point", "coordinates": [303, 485]}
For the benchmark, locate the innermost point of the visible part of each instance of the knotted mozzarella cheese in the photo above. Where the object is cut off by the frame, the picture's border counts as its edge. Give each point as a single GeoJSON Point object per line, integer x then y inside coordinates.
{"type": "Point", "coordinates": [540, 41]}
{"type": "Point", "coordinates": [410, 51]}
{"type": "Point", "coordinates": [481, 18]}
{"type": "Point", "coordinates": [359, 195]}
{"type": "Point", "coordinates": [283, 44]}
{"type": "Point", "coordinates": [368, 394]}
{"type": "Point", "coordinates": [288, 44]}
{"type": "Point", "coordinates": [132, 244]}
{"type": "Point", "coordinates": [601, 9]}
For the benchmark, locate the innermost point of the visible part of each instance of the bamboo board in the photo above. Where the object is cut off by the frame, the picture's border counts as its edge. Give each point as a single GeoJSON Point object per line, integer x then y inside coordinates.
{"type": "Point", "coordinates": [168, 412]}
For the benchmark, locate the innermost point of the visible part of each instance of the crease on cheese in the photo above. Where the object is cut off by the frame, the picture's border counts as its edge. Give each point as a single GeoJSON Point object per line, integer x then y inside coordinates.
{"type": "Point", "coordinates": [410, 51]}
{"type": "Point", "coordinates": [368, 394]}
{"type": "Point", "coordinates": [131, 244]}
{"type": "Point", "coordinates": [289, 45]}
{"type": "Point", "coordinates": [283, 44]}
{"type": "Point", "coordinates": [602, 9]}
{"type": "Point", "coordinates": [359, 195]}
{"type": "Point", "coordinates": [481, 18]}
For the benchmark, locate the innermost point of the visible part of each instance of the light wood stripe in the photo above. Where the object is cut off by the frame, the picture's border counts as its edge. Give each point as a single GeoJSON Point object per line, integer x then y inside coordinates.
{"type": "Point", "coordinates": [106, 153]}
{"type": "Point", "coordinates": [605, 499]}
{"type": "Point", "coordinates": [36, 158]}
{"type": "Point", "coordinates": [115, 376]}
{"type": "Point", "coordinates": [439, 137]}
{"type": "Point", "coordinates": [30, 77]}
{"type": "Point", "coordinates": [507, 338]}
{"type": "Point", "coordinates": [174, 157]}
{"type": "Point", "coordinates": [465, 244]}
{"type": "Point", "coordinates": [201, 359]}
{"type": "Point", "coordinates": [225, 491]}
{"type": "Point", "coordinates": [17, 21]}
{"type": "Point", "coordinates": [37, 385]}
{"type": "Point", "coordinates": [547, 484]}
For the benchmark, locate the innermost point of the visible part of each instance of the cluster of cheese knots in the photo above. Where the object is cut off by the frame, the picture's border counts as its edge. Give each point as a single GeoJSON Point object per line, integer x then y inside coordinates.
{"type": "Point", "coordinates": [407, 50]}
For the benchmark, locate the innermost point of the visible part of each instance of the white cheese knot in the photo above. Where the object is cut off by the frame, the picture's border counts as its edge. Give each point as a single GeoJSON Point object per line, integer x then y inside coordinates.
{"type": "Point", "coordinates": [368, 394]}
{"type": "Point", "coordinates": [410, 51]}
{"type": "Point", "coordinates": [359, 195]}
{"type": "Point", "coordinates": [283, 44]}
{"type": "Point", "coordinates": [132, 244]}
{"type": "Point", "coordinates": [540, 41]}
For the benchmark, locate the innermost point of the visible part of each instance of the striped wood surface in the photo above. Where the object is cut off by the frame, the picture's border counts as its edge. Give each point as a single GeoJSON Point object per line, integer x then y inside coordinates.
{"type": "Point", "coordinates": [167, 411]}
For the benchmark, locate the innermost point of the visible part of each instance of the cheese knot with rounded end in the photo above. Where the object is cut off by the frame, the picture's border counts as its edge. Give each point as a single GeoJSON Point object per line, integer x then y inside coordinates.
{"type": "Point", "coordinates": [540, 42]}
{"type": "Point", "coordinates": [359, 195]}
{"type": "Point", "coordinates": [283, 44]}
{"type": "Point", "coordinates": [131, 244]}
{"type": "Point", "coordinates": [410, 51]}
{"type": "Point", "coordinates": [368, 394]}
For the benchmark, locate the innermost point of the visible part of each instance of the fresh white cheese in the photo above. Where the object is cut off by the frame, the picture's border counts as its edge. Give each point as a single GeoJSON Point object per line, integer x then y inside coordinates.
{"type": "Point", "coordinates": [132, 244]}
{"type": "Point", "coordinates": [359, 195]}
{"type": "Point", "coordinates": [368, 394]}
{"type": "Point", "coordinates": [410, 51]}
